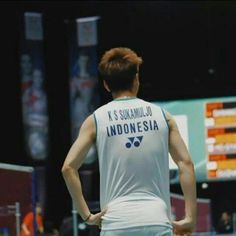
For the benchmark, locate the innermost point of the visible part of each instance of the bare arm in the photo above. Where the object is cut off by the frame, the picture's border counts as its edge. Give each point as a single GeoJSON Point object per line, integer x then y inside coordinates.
{"type": "Point", "coordinates": [73, 162]}
{"type": "Point", "coordinates": [181, 157]}
{"type": "Point", "coordinates": [41, 229]}
{"type": "Point", "coordinates": [25, 229]}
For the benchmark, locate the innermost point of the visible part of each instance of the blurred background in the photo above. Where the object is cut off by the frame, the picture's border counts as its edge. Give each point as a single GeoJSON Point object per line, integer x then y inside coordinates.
{"type": "Point", "coordinates": [188, 49]}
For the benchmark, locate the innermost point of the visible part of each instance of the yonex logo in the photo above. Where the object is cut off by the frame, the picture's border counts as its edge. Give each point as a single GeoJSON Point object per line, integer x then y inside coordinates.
{"type": "Point", "coordinates": [134, 141]}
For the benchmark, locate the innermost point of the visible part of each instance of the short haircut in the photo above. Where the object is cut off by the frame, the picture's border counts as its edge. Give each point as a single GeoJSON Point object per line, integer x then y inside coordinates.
{"type": "Point", "coordinates": [118, 67]}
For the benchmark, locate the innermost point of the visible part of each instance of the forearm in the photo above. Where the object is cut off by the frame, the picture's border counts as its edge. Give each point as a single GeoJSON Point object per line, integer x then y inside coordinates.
{"type": "Point", "coordinates": [73, 184]}
{"type": "Point", "coordinates": [188, 185]}
{"type": "Point", "coordinates": [41, 229]}
{"type": "Point", "coordinates": [25, 229]}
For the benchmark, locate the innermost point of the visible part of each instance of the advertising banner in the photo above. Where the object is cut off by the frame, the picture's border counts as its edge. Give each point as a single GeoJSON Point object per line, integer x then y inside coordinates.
{"type": "Point", "coordinates": [34, 99]}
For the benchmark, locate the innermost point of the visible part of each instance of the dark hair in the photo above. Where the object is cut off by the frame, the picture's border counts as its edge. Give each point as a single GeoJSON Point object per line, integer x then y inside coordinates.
{"type": "Point", "coordinates": [118, 68]}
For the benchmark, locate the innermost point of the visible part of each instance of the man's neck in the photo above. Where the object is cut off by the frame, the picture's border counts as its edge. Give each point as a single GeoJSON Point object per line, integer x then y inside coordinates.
{"type": "Point", "coordinates": [123, 94]}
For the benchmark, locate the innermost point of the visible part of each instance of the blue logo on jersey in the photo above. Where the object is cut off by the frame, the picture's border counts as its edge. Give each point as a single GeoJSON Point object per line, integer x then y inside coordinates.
{"type": "Point", "coordinates": [134, 141]}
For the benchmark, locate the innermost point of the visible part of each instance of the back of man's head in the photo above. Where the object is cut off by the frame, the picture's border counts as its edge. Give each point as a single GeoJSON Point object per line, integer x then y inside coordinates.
{"type": "Point", "coordinates": [118, 68]}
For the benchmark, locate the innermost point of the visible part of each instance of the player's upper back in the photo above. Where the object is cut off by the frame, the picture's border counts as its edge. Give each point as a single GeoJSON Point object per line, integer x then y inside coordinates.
{"type": "Point", "coordinates": [132, 143]}
{"type": "Point", "coordinates": [130, 119]}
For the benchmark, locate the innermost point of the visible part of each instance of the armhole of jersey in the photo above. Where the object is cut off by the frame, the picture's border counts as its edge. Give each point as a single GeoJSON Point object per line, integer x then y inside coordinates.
{"type": "Point", "coordinates": [167, 124]}
{"type": "Point", "coordinates": [96, 125]}
{"type": "Point", "coordinates": [163, 112]}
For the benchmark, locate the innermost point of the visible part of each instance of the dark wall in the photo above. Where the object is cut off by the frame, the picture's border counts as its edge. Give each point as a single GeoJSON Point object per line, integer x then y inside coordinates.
{"type": "Point", "coordinates": [188, 50]}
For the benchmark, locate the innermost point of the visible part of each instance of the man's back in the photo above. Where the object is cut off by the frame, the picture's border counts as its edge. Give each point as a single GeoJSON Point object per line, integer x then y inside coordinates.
{"type": "Point", "coordinates": [132, 142]}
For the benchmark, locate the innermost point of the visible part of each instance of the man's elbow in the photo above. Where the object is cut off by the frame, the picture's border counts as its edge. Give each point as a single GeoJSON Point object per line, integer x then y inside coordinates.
{"type": "Point", "coordinates": [186, 164]}
{"type": "Point", "coordinates": [189, 163]}
{"type": "Point", "coordinates": [66, 170]}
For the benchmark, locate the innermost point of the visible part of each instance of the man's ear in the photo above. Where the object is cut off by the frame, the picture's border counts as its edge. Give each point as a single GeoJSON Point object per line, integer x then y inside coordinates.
{"type": "Point", "coordinates": [106, 86]}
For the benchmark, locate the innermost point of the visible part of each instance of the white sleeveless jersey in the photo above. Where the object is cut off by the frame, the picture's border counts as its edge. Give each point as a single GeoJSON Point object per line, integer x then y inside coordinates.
{"type": "Point", "coordinates": [132, 144]}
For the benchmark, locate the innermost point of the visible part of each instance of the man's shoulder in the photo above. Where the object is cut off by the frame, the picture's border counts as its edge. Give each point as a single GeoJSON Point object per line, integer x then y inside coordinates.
{"type": "Point", "coordinates": [28, 216]}
{"type": "Point", "coordinates": [151, 104]}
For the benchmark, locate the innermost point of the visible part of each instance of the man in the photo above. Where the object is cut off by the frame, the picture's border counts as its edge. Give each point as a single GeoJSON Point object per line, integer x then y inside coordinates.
{"type": "Point", "coordinates": [28, 222]}
{"type": "Point", "coordinates": [133, 138]}
{"type": "Point", "coordinates": [225, 224]}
